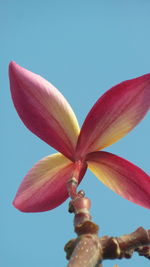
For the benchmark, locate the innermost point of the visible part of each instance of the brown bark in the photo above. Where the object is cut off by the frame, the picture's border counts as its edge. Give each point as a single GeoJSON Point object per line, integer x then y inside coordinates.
{"type": "Point", "coordinates": [95, 249]}
{"type": "Point", "coordinates": [88, 250]}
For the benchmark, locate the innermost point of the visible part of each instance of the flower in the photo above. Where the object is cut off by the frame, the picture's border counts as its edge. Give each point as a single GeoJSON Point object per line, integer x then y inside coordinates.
{"type": "Point", "coordinates": [46, 113]}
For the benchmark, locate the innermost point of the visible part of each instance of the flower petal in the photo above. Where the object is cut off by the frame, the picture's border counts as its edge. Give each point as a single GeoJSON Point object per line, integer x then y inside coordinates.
{"type": "Point", "coordinates": [123, 177]}
{"type": "Point", "coordinates": [44, 110]}
{"type": "Point", "coordinates": [116, 113]}
{"type": "Point", "coordinates": [45, 185]}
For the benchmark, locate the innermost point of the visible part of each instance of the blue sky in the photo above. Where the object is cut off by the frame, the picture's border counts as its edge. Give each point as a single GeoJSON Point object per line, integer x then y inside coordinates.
{"type": "Point", "coordinates": [83, 48]}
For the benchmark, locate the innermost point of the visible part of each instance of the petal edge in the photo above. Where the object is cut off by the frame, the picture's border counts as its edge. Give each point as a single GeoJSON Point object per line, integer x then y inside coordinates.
{"type": "Point", "coordinates": [44, 110]}
{"type": "Point", "coordinates": [121, 176]}
{"type": "Point", "coordinates": [115, 114]}
{"type": "Point", "coordinates": [45, 185]}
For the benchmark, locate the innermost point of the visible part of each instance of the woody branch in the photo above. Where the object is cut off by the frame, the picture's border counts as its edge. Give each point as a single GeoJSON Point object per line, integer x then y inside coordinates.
{"type": "Point", "coordinates": [88, 250]}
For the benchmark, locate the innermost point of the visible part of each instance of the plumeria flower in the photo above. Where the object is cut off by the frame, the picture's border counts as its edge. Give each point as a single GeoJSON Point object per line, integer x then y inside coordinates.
{"type": "Point", "coordinates": [46, 113]}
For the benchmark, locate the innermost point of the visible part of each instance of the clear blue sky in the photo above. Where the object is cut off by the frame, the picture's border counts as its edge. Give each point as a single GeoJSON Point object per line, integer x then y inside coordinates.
{"type": "Point", "coordinates": [82, 47]}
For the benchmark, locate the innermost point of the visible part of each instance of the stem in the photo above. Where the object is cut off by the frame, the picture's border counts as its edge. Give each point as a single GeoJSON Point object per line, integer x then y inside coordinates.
{"type": "Point", "coordinates": [79, 204]}
{"type": "Point", "coordinates": [88, 250]}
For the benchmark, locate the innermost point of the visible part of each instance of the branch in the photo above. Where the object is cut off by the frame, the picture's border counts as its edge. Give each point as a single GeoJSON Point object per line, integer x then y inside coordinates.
{"type": "Point", "coordinates": [107, 247]}
{"type": "Point", "coordinates": [124, 246]}
{"type": "Point", "coordinates": [88, 250]}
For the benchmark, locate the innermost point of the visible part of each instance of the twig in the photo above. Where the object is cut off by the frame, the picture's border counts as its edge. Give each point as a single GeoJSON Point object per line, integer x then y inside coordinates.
{"type": "Point", "coordinates": [88, 250]}
{"type": "Point", "coordinates": [119, 247]}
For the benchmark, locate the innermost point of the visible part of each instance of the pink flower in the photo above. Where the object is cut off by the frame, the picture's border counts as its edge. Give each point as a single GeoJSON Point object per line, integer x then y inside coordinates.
{"type": "Point", "coordinates": [45, 112]}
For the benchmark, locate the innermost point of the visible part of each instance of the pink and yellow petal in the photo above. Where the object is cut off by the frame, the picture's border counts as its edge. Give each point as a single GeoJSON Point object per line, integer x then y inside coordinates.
{"type": "Point", "coordinates": [45, 185]}
{"type": "Point", "coordinates": [121, 176]}
{"type": "Point", "coordinates": [44, 110]}
{"type": "Point", "coordinates": [115, 114]}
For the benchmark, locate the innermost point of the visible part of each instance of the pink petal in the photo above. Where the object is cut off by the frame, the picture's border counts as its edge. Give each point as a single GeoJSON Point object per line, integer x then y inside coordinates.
{"type": "Point", "coordinates": [44, 110]}
{"type": "Point", "coordinates": [121, 176]}
{"type": "Point", "coordinates": [115, 114]}
{"type": "Point", "coordinates": [45, 185]}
